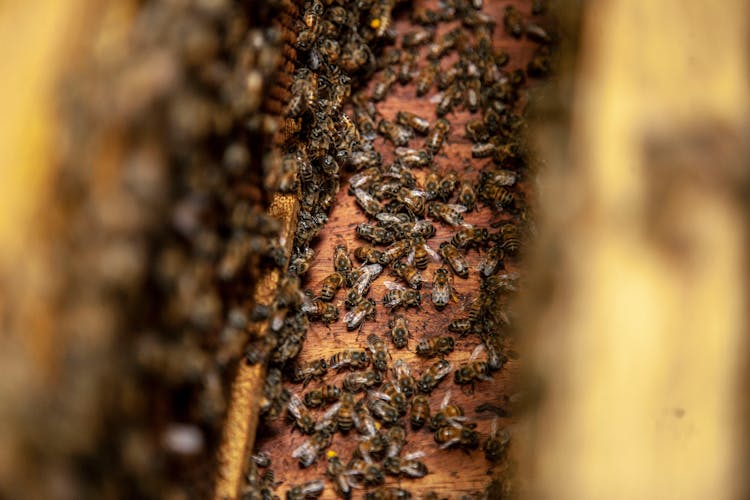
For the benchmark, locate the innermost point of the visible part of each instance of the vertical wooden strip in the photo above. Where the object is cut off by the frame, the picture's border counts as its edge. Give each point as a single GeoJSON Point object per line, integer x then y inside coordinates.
{"type": "Point", "coordinates": [247, 389]}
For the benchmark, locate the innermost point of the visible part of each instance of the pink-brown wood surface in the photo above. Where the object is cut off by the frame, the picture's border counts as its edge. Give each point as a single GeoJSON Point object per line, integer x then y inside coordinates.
{"type": "Point", "coordinates": [453, 472]}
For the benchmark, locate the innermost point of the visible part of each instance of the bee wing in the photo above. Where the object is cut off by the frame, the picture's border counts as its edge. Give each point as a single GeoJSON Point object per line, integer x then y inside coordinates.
{"type": "Point", "coordinates": [476, 352]}
{"type": "Point", "coordinates": [392, 285]}
{"type": "Point", "coordinates": [414, 455]}
{"type": "Point", "coordinates": [410, 257]}
{"type": "Point", "coordinates": [295, 405]}
{"type": "Point", "coordinates": [443, 370]}
{"type": "Point", "coordinates": [446, 399]}
{"type": "Point", "coordinates": [308, 305]}
{"type": "Point", "coordinates": [403, 151]}
{"type": "Point", "coordinates": [400, 368]}
{"type": "Point", "coordinates": [387, 218]}
{"type": "Point", "coordinates": [412, 470]}
{"type": "Point", "coordinates": [455, 206]}
{"type": "Point", "coordinates": [432, 253]}
{"type": "Point", "coordinates": [449, 443]}
{"type": "Point", "coordinates": [304, 450]}
{"type": "Point", "coordinates": [379, 395]}
{"type": "Point", "coordinates": [466, 224]}
{"type": "Point", "coordinates": [352, 317]}
{"type": "Point", "coordinates": [313, 487]}
{"type": "Point", "coordinates": [418, 192]}
{"type": "Point", "coordinates": [327, 417]}
{"type": "Point", "coordinates": [436, 98]}
{"type": "Point", "coordinates": [363, 196]}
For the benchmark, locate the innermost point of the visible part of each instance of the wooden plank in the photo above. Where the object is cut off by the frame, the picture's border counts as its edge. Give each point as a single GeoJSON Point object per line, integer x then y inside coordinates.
{"type": "Point", "coordinates": [452, 472]}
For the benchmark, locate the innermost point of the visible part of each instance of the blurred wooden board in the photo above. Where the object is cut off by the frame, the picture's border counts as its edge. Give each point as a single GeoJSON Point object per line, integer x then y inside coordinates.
{"type": "Point", "coordinates": [453, 472]}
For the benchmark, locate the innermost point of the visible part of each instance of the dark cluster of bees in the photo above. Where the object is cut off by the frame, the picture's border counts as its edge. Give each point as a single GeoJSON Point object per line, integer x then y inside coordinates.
{"type": "Point", "coordinates": [341, 46]}
{"type": "Point", "coordinates": [162, 259]}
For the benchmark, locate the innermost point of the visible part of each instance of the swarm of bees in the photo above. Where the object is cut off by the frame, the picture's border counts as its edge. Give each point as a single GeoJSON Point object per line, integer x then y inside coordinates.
{"type": "Point", "coordinates": [340, 46]}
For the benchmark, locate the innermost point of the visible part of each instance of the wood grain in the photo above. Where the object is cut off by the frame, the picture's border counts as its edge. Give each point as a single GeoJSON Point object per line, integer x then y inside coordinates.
{"type": "Point", "coordinates": [452, 472]}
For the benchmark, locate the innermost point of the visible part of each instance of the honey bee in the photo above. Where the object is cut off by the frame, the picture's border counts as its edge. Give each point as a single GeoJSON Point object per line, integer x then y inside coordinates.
{"type": "Point", "coordinates": [416, 229]}
{"type": "Point", "coordinates": [472, 95]}
{"type": "Point", "coordinates": [420, 411]}
{"type": "Point", "coordinates": [462, 326]}
{"type": "Point", "coordinates": [408, 466]}
{"type": "Point", "coordinates": [310, 450]}
{"type": "Point", "coordinates": [341, 261]}
{"type": "Point", "coordinates": [446, 43]}
{"type": "Point", "coordinates": [399, 331]}
{"type": "Point", "coordinates": [449, 414]}
{"type": "Point", "coordinates": [307, 371]}
{"type": "Point", "coordinates": [498, 196]}
{"type": "Point", "coordinates": [467, 196]}
{"type": "Point", "coordinates": [310, 489]}
{"type": "Point", "coordinates": [497, 443]}
{"type": "Point", "coordinates": [483, 150]}
{"type": "Point", "coordinates": [390, 392]}
{"type": "Point", "coordinates": [368, 254]}
{"type": "Point", "coordinates": [454, 259]}
{"type": "Point", "coordinates": [413, 158]}
{"type": "Point", "coordinates": [510, 238]}
{"type": "Point", "coordinates": [365, 123]}
{"type": "Point", "coordinates": [497, 177]}
{"type": "Point", "coordinates": [382, 410]}
{"type": "Point", "coordinates": [398, 296]}
{"type": "Point", "coordinates": [420, 254]}
{"type": "Point", "coordinates": [275, 397]}
{"type": "Point", "coordinates": [383, 84]}
{"type": "Point", "coordinates": [331, 284]}
{"type": "Point", "coordinates": [474, 370]}
{"type": "Point", "coordinates": [433, 375]}
{"type": "Point", "coordinates": [476, 131]}
{"type": "Point", "coordinates": [388, 493]}
{"type": "Point", "coordinates": [381, 17]}
{"type": "Point", "coordinates": [303, 419]}
{"type": "Point", "coordinates": [513, 21]}
{"type": "Point", "coordinates": [375, 234]}
{"type": "Point", "coordinates": [365, 200]}
{"type": "Point", "coordinates": [420, 36]}
{"type": "Point", "coordinates": [445, 79]}
{"type": "Point", "coordinates": [365, 471]}
{"type": "Point", "coordinates": [468, 237]}
{"type": "Point", "coordinates": [404, 379]}
{"type": "Point", "coordinates": [364, 310]}
{"type": "Point", "coordinates": [301, 261]}
{"type": "Point", "coordinates": [451, 96]}
{"type": "Point", "coordinates": [437, 135]}
{"type": "Point", "coordinates": [361, 284]}
{"type": "Point", "coordinates": [344, 412]}
{"type": "Point", "coordinates": [492, 261]}
{"type": "Point", "coordinates": [327, 313]}
{"type": "Point", "coordinates": [349, 358]}
{"type": "Point", "coordinates": [407, 68]}
{"type": "Point", "coordinates": [395, 133]}
{"type": "Point", "coordinates": [424, 16]}
{"type": "Point", "coordinates": [435, 346]}
{"type": "Point", "coordinates": [361, 160]}
{"type": "Point", "coordinates": [432, 184]}
{"type": "Point", "coordinates": [364, 178]}
{"type": "Point", "coordinates": [325, 395]}
{"type": "Point", "coordinates": [357, 381]}
{"type": "Point", "coordinates": [355, 55]}
{"type": "Point", "coordinates": [335, 472]}
{"type": "Point", "coordinates": [442, 290]}
{"type": "Point", "coordinates": [447, 185]}
{"type": "Point", "coordinates": [394, 252]}
{"type": "Point", "coordinates": [409, 274]}
{"type": "Point", "coordinates": [425, 79]}
{"type": "Point", "coordinates": [396, 439]}
{"type": "Point", "coordinates": [538, 34]}
{"type": "Point", "coordinates": [379, 352]}
{"type": "Point", "coordinates": [452, 435]}
{"type": "Point", "coordinates": [304, 93]}
{"type": "Point", "coordinates": [413, 121]}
